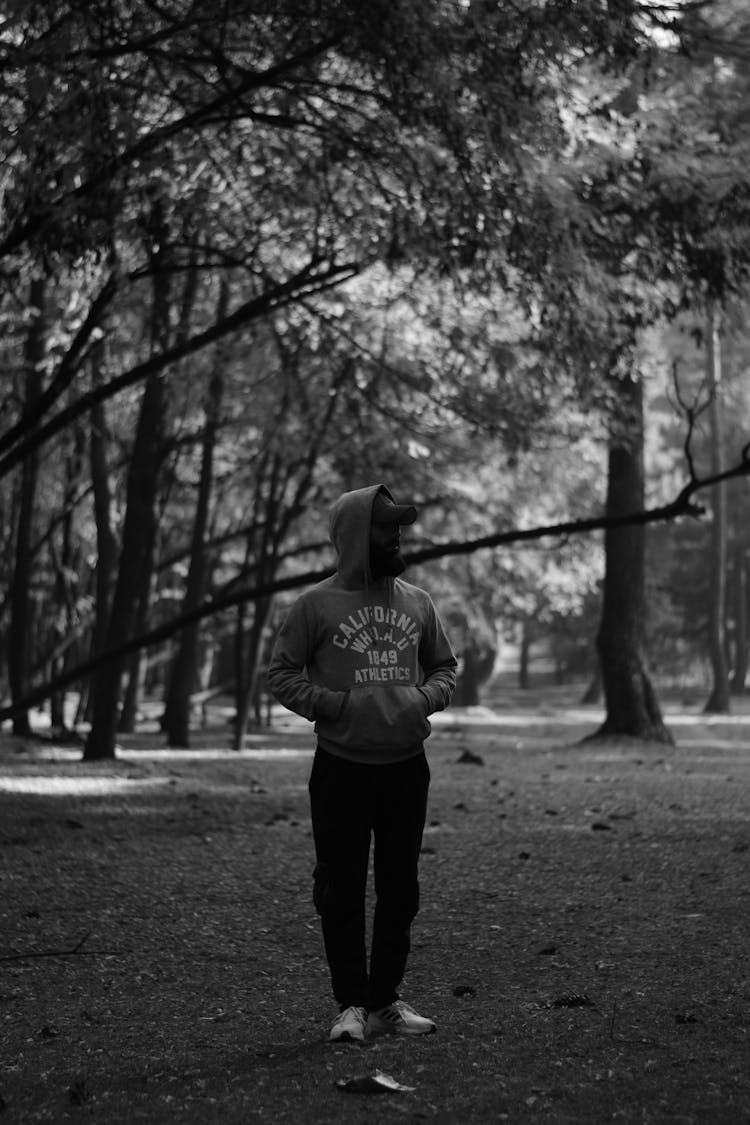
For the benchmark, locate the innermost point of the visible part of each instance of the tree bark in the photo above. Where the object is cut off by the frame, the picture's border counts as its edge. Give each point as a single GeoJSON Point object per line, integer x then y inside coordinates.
{"type": "Point", "coordinates": [139, 528]}
{"type": "Point", "coordinates": [137, 537]}
{"type": "Point", "coordinates": [64, 567]}
{"type": "Point", "coordinates": [631, 705]}
{"type": "Point", "coordinates": [524, 658]}
{"type": "Point", "coordinates": [249, 666]}
{"type": "Point", "coordinates": [593, 692]}
{"type": "Point", "coordinates": [476, 668]}
{"type": "Point", "coordinates": [718, 700]}
{"type": "Point", "coordinates": [184, 671]}
{"type": "Point", "coordinates": [136, 665]}
{"type": "Point", "coordinates": [739, 672]}
{"type": "Point", "coordinates": [106, 544]}
{"type": "Point", "coordinates": [20, 631]}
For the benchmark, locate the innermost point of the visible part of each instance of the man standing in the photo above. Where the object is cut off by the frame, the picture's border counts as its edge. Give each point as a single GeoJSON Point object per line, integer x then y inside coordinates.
{"type": "Point", "coordinates": [364, 654]}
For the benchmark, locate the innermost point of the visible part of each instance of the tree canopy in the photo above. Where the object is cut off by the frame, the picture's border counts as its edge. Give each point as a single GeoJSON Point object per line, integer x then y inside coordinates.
{"type": "Point", "coordinates": [259, 253]}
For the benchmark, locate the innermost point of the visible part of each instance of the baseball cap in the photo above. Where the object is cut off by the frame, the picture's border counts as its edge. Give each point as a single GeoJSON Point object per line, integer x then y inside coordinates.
{"type": "Point", "coordinates": [385, 510]}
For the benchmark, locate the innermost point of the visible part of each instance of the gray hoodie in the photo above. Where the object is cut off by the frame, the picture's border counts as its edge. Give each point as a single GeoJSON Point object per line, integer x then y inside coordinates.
{"type": "Point", "coordinates": [368, 660]}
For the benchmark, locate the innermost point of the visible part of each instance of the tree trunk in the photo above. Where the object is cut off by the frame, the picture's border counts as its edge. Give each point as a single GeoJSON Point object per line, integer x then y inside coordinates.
{"type": "Point", "coordinates": [631, 705]}
{"type": "Point", "coordinates": [137, 537]}
{"type": "Point", "coordinates": [135, 664]}
{"type": "Point", "coordinates": [64, 567]}
{"type": "Point", "coordinates": [20, 632]}
{"type": "Point", "coordinates": [718, 700]}
{"type": "Point", "coordinates": [106, 544]}
{"type": "Point", "coordinates": [139, 528]}
{"type": "Point", "coordinates": [184, 672]}
{"type": "Point", "coordinates": [593, 692]}
{"type": "Point", "coordinates": [524, 657]}
{"type": "Point", "coordinates": [248, 671]}
{"type": "Point", "coordinates": [739, 672]}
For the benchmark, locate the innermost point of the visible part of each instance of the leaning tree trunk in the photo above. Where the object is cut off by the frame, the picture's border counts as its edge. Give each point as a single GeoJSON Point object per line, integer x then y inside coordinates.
{"type": "Point", "coordinates": [139, 528]}
{"type": "Point", "coordinates": [183, 674]}
{"type": "Point", "coordinates": [20, 631]}
{"type": "Point", "coordinates": [248, 667]}
{"type": "Point", "coordinates": [137, 537]}
{"type": "Point", "coordinates": [718, 700]}
{"type": "Point", "coordinates": [631, 705]}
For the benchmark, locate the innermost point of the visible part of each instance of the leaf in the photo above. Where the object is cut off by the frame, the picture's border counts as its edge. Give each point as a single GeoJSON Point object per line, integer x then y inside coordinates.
{"type": "Point", "coordinates": [377, 1083]}
{"type": "Point", "coordinates": [574, 1000]}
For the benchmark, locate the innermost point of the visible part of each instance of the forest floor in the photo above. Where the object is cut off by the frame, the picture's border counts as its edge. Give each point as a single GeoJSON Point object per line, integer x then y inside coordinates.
{"type": "Point", "coordinates": [582, 943]}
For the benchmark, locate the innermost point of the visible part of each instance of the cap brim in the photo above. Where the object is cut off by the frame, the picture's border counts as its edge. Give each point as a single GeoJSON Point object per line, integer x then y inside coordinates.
{"type": "Point", "coordinates": [396, 513]}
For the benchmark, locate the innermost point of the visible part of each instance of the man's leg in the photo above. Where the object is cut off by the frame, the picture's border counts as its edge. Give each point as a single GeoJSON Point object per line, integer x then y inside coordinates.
{"type": "Point", "coordinates": [401, 794]}
{"type": "Point", "coordinates": [341, 829]}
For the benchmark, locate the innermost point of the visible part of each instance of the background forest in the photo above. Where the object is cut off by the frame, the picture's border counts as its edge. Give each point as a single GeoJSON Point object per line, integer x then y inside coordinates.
{"type": "Point", "coordinates": [253, 254]}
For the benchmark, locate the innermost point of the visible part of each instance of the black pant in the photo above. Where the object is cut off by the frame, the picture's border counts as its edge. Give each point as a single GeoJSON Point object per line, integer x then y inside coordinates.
{"type": "Point", "coordinates": [349, 803]}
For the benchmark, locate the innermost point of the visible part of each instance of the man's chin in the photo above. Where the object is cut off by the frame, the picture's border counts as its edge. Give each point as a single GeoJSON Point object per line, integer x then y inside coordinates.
{"type": "Point", "coordinates": [389, 566]}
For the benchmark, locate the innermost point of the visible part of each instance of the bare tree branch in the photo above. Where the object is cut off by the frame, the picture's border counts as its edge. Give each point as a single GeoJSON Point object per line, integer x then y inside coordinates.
{"type": "Point", "coordinates": [682, 505]}
{"type": "Point", "coordinates": [67, 369]}
{"type": "Point", "coordinates": [691, 411]}
{"type": "Point", "coordinates": [308, 281]}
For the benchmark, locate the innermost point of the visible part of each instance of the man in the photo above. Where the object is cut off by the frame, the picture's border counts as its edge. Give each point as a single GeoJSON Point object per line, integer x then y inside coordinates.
{"type": "Point", "coordinates": [365, 655]}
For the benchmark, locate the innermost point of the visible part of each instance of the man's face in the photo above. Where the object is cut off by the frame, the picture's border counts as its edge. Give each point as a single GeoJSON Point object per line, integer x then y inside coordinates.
{"type": "Point", "coordinates": [385, 555]}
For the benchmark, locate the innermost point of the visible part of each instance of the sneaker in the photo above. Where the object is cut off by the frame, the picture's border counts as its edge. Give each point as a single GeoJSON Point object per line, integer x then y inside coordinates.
{"type": "Point", "coordinates": [399, 1019]}
{"type": "Point", "coordinates": [350, 1026]}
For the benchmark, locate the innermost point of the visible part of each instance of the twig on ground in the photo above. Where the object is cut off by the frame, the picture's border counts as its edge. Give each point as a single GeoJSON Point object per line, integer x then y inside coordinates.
{"type": "Point", "coordinates": [75, 951]}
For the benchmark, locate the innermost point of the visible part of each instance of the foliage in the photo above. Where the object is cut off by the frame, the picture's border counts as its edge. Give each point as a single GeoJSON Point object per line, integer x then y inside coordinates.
{"type": "Point", "coordinates": [411, 236]}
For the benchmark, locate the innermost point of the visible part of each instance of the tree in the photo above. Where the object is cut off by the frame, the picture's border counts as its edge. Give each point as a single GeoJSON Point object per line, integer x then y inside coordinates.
{"type": "Point", "coordinates": [139, 528]}
{"type": "Point", "coordinates": [20, 598]}
{"type": "Point", "coordinates": [184, 669]}
{"type": "Point", "coordinates": [632, 707]}
{"type": "Point", "coordinates": [293, 152]}
{"type": "Point", "coordinates": [718, 701]}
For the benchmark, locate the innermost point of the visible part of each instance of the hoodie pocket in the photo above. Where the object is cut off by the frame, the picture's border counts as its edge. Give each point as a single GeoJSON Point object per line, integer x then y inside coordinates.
{"type": "Point", "coordinates": [380, 715]}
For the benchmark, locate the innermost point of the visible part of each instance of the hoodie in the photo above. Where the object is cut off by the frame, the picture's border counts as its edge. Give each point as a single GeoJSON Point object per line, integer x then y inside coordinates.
{"type": "Point", "coordinates": [367, 660]}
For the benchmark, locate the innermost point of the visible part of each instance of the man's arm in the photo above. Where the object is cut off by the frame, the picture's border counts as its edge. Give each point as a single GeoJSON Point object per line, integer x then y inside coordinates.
{"type": "Point", "coordinates": [287, 676]}
{"type": "Point", "coordinates": [438, 663]}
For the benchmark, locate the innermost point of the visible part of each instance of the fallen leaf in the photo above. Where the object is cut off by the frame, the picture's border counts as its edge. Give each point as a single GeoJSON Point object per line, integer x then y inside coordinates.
{"type": "Point", "coordinates": [377, 1083]}
{"type": "Point", "coordinates": [574, 1000]}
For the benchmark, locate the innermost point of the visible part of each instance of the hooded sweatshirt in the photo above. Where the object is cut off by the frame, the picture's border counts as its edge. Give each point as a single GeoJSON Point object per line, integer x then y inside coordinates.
{"type": "Point", "coordinates": [367, 659]}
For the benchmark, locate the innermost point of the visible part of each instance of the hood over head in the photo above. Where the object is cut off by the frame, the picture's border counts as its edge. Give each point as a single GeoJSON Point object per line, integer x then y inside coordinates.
{"type": "Point", "coordinates": [349, 529]}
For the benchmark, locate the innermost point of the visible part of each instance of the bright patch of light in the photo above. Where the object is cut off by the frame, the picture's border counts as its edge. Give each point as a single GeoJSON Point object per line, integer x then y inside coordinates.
{"type": "Point", "coordinates": [39, 786]}
{"type": "Point", "coordinates": [222, 754]}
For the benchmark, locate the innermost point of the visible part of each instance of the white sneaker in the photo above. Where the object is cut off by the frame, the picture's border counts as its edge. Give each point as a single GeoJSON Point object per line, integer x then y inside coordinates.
{"type": "Point", "coordinates": [399, 1019]}
{"type": "Point", "coordinates": [350, 1026]}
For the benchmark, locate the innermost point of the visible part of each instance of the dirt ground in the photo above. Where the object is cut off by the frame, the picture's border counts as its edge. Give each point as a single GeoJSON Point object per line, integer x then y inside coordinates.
{"type": "Point", "coordinates": [582, 944]}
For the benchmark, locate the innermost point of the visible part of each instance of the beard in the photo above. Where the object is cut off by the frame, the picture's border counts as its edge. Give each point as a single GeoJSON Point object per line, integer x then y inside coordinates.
{"type": "Point", "coordinates": [386, 564]}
